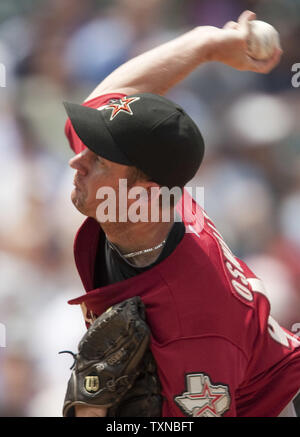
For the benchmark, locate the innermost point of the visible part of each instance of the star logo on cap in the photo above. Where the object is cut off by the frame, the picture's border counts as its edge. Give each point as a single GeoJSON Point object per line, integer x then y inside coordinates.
{"type": "Point", "coordinates": [122, 105]}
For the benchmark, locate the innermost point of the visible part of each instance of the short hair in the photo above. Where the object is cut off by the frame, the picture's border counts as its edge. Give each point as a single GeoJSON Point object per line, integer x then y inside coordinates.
{"type": "Point", "coordinates": [135, 175]}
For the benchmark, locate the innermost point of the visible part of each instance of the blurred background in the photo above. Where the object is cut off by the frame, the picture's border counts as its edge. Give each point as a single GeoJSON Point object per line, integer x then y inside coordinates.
{"type": "Point", "coordinates": [56, 50]}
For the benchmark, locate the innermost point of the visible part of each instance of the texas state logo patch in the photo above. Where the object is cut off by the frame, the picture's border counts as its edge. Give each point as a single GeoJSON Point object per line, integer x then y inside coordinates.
{"type": "Point", "coordinates": [203, 398]}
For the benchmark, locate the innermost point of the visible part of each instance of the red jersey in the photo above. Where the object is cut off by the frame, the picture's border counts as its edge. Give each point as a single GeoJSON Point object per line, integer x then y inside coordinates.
{"type": "Point", "coordinates": [218, 350]}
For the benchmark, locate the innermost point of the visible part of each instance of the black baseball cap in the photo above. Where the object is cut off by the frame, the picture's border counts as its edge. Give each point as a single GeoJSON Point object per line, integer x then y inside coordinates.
{"type": "Point", "coordinates": [145, 130]}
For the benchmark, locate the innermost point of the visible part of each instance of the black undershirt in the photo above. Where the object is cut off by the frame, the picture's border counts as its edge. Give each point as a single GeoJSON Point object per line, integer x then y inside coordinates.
{"type": "Point", "coordinates": [111, 267]}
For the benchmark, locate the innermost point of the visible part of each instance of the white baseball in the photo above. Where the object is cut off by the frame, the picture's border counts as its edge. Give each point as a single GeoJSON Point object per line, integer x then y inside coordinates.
{"type": "Point", "coordinates": [263, 40]}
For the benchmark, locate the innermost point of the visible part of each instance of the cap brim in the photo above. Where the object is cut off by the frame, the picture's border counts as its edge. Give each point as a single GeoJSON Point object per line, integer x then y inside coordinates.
{"type": "Point", "coordinates": [90, 127]}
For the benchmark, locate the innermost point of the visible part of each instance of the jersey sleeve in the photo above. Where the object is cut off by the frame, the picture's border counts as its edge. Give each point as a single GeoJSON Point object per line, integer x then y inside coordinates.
{"type": "Point", "coordinates": [203, 376]}
{"type": "Point", "coordinates": [272, 379]}
{"type": "Point", "coordinates": [75, 142]}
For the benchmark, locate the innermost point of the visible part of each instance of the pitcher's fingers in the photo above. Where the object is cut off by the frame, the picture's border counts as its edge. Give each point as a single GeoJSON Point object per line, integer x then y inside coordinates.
{"type": "Point", "coordinates": [268, 65]}
{"type": "Point", "coordinates": [244, 20]}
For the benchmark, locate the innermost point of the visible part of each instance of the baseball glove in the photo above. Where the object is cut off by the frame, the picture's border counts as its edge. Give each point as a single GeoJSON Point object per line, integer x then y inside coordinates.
{"type": "Point", "coordinates": [114, 367]}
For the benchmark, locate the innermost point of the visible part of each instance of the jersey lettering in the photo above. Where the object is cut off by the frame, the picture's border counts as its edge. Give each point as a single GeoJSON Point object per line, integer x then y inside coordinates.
{"type": "Point", "coordinates": [280, 335]}
{"type": "Point", "coordinates": [237, 273]}
{"type": "Point", "coordinates": [227, 253]}
{"type": "Point", "coordinates": [242, 290]}
{"type": "Point", "coordinates": [245, 287]}
{"type": "Point", "coordinates": [239, 281]}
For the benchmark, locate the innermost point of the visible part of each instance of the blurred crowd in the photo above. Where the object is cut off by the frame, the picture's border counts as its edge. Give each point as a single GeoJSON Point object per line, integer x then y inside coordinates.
{"type": "Point", "coordinates": [56, 50]}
